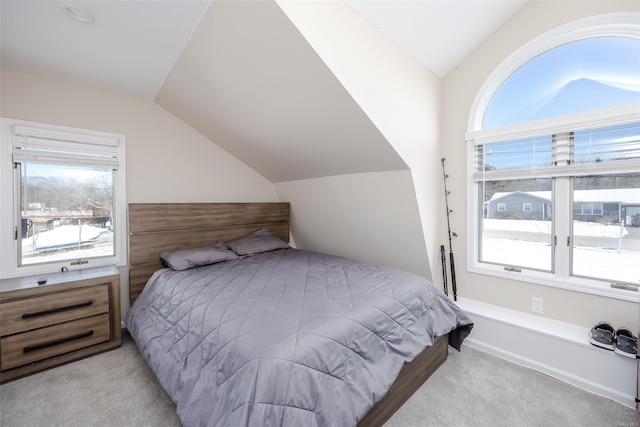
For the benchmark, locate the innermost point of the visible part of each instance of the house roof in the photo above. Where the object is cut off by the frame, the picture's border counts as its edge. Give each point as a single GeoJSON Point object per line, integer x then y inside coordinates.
{"type": "Point", "coordinates": [625, 196]}
{"type": "Point", "coordinates": [534, 194]}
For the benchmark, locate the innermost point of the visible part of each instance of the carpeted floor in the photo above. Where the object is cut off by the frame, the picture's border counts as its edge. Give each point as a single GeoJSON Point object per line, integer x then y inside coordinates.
{"type": "Point", "coordinates": [471, 389]}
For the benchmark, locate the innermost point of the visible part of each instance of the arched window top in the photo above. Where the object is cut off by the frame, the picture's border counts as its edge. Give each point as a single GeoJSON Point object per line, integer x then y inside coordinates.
{"type": "Point", "coordinates": [575, 77]}
{"type": "Point", "coordinates": [581, 66]}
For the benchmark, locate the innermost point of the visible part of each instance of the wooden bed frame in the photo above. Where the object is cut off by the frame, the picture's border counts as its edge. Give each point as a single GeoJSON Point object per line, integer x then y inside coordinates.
{"type": "Point", "coordinates": [158, 227]}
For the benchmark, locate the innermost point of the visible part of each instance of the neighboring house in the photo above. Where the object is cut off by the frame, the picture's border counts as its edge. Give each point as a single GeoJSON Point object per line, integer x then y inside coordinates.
{"type": "Point", "coordinates": [519, 205]}
{"type": "Point", "coordinates": [588, 205]}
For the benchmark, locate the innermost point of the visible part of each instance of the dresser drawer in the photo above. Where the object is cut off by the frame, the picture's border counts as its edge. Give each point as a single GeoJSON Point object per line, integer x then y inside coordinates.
{"type": "Point", "coordinates": [45, 310]}
{"type": "Point", "coordinates": [22, 349]}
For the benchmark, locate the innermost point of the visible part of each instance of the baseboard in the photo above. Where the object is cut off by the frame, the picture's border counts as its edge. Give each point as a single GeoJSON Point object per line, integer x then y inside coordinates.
{"type": "Point", "coordinates": [558, 349]}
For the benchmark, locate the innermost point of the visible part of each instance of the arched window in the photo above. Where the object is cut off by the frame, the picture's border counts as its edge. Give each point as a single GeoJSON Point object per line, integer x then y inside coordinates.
{"type": "Point", "coordinates": [576, 77]}
{"type": "Point", "coordinates": [555, 137]}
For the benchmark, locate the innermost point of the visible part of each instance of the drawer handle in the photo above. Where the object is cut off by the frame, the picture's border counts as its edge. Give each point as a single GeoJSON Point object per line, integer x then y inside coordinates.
{"type": "Point", "coordinates": [56, 310]}
{"type": "Point", "coordinates": [55, 342]}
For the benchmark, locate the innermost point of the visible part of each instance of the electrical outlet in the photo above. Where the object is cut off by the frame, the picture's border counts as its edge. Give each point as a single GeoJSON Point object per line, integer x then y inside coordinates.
{"type": "Point", "coordinates": [537, 305]}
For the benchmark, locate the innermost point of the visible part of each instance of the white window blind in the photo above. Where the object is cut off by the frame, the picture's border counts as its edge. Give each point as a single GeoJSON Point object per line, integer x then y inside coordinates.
{"type": "Point", "coordinates": [526, 157]}
{"type": "Point", "coordinates": [585, 151]}
{"type": "Point", "coordinates": [35, 145]}
{"type": "Point", "coordinates": [609, 144]}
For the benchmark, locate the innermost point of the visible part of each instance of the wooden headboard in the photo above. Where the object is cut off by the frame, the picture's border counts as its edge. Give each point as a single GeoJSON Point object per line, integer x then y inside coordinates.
{"type": "Point", "coordinates": [158, 227]}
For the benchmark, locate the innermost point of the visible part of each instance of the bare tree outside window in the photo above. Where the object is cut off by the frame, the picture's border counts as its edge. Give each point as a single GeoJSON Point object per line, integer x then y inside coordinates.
{"type": "Point", "coordinates": [66, 212]}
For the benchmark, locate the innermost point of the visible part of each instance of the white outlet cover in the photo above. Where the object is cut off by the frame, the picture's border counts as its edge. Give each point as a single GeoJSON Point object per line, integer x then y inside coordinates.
{"type": "Point", "coordinates": [537, 305]}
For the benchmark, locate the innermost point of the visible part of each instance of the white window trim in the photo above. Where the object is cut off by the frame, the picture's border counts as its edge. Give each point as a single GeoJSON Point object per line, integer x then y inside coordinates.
{"type": "Point", "coordinates": [501, 207]}
{"type": "Point", "coordinates": [9, 245]}
{"type": "Point", "coordinates": [527, 207]}
{"type": "Point", "coordinates": [615, 24]}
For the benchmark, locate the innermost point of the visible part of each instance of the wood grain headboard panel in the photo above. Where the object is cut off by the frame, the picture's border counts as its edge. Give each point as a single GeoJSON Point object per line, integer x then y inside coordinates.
{"type": "Point", "coordinates": [158, 227]}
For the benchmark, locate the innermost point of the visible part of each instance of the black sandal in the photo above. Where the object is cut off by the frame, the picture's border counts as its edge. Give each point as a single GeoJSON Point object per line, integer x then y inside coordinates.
{"type": "Point", "coordinates": [626, 343]}
{"type": "Point", "coordinates": [603, 335]}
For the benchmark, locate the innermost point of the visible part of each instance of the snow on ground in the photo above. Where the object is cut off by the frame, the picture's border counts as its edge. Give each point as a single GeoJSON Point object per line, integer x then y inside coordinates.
{"type": "Point", "coordinates": [588, 229]}
{"type": "Point", "coordinates": [587, 261]}
{"type": "Point", "coordinates": [66, 235]}
{"type": "Point", "coordinates": [63, 235]}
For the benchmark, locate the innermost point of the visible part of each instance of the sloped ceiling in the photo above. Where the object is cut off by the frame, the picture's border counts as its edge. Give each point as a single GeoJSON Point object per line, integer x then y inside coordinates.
{"type": "Point", "coordinates": [439, 34]}
{"type": "Point", "coordinates": [129, 48]}
{"type": "Point", "coordinates": [238, 71]}
{"type": "Point", "coordinates": [250, 82]}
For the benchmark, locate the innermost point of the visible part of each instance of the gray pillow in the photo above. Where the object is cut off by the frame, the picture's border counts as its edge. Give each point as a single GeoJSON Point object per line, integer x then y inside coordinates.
{"type": "Point", "coordinates": [196, 257]}
{"type": "Point", "coordinates": [260, 241]}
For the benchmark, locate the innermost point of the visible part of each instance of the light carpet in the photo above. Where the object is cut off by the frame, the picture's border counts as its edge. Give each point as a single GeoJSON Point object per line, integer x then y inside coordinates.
{"type": "Point", "coordinates": [471, 389]}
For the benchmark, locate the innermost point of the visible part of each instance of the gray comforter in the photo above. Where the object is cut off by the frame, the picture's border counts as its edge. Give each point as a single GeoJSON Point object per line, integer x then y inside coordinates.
{"type": "Point", "coordinates": [288, 337]}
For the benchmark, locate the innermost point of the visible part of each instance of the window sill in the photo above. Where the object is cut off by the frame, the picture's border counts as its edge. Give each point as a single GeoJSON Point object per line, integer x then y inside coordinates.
{"type": "Point", "coordinates": [575, 284]}
{"type": "Point", "coordinates": [42, 269]}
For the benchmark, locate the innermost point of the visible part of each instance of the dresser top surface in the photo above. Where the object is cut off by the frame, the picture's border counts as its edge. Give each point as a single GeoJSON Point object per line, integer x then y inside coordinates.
{"type": "Point", "coordinates": [43, 280]}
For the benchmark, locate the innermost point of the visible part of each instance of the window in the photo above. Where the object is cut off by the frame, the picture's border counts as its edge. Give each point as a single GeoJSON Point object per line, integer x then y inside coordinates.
{"type": "Point", "coordinates": [555, 131]}
{"type": "Point", "coordinates": [63, 198]}
{"type": "Point", "coordinates": [509, 239]}
{"type": "Point", "coordinates": [583, 209]}
{"type": "Point", "coordinates": [606, 244]}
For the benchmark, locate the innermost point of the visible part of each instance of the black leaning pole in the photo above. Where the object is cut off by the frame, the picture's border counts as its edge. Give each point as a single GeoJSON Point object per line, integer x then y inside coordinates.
{"type": "Point", "coordinates": [443, 257]}
{"type": "Point", "coordinates": [454, 288]}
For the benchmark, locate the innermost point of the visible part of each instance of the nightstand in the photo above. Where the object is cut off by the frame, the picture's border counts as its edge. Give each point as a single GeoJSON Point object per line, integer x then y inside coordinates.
{"type": "Point", "coordinates": [52, 319]}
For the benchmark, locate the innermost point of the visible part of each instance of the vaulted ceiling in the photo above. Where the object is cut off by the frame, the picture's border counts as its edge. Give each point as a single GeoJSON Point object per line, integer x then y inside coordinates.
{"type": "Point", "coordinates": [248, 75]}
{"type": "Point", "coordinates": [240, 72]}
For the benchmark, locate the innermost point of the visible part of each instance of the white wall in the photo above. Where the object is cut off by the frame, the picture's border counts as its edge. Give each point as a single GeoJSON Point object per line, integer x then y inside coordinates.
{"type": "Point", "coordinates": [167, 161]}
{"type": "Point", "coordinates": [459, 91]}
{"type": "Point", "coordinates": [400, 96]}
{"type": "Point", "coordinates": [362, 216]}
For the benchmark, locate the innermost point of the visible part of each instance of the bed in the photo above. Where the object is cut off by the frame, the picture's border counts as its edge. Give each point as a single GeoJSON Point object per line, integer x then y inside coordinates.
{"type": "Point", "coordinates": [271, 335]}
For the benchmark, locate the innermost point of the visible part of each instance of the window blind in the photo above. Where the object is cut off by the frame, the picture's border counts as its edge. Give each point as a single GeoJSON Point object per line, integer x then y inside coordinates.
{"type": "Point", "coordinates": [610, 144]}
{"type": "Point", "coordinates": [35, 145]}
{"type": "Point", "coordinates": [588, 151]}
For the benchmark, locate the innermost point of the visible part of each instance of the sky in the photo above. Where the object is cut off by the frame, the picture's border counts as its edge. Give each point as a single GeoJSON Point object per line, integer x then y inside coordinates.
{"type": "Point", "coordinates": [579, 76]}
{"type": "Point", "coordinates": [82, 174]}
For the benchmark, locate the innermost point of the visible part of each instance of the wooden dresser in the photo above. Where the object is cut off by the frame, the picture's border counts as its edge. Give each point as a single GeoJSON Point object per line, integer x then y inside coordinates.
{"type": "Point", "coordinates": [72, 315]}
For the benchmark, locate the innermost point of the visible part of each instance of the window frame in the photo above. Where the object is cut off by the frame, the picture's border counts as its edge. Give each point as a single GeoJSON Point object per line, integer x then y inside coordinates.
{"type": "Point", "coordinates": [9, 217]}
{"type": "Point", "coordinates": [609, 25]}
{"type": "Point", "coordinates": [592, 209]}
